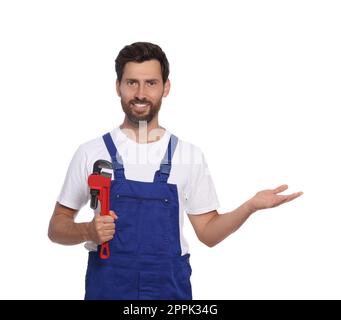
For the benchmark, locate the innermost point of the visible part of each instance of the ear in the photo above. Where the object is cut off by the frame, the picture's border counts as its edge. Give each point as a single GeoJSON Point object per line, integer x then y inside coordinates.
{"type": "Point", "coordinates": [118, 88]}
{"type": "Point", "coordinates": [166, 88]}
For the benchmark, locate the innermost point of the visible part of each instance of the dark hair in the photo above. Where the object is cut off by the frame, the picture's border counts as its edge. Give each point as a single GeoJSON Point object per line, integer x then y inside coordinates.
{"type": "Point", "coordinates": [140, 52]}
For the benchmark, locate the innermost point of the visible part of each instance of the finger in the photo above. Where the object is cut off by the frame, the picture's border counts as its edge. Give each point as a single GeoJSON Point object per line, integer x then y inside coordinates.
{"type": "Point", "coordinates": [108, 226]}
{"type": "Point", "coordinates": [106, 239]}
{"type": "Point", "coordinates": [280, 188]}
{"type": "Point", "coordinates": [293, 196]}
{"type": "Point", "coordinates": [113, 214]}
{"type": "Point", "coordinates": [107, 219]}
{"type": "Point", "coordinates": [279, 200]}
{"type": "Point", "coordinates": [107, 233]}
{"type": "Point", "coordinates": [287, 198]}
{"type": "Point", "coordinates": [102, 217]}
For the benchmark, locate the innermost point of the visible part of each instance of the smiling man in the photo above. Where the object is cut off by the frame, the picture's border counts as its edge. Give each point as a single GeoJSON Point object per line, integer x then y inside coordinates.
{"type": "Point", "coordinates": [157, 179]}
{"type": "Point", "coordinates": [141, 91]}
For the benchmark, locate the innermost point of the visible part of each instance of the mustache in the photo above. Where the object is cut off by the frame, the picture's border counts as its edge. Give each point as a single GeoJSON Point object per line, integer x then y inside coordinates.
{"type": "Point", "coordinates": [143, 101]}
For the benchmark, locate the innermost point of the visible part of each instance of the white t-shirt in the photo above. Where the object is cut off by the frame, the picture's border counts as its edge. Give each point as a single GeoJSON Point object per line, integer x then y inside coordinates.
{"type": "Point", "coordinates": [197, 194]}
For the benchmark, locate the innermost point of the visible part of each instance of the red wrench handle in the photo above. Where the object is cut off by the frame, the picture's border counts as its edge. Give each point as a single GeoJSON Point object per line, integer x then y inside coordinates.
{"type": "Point", "coordinates": [105, 252]}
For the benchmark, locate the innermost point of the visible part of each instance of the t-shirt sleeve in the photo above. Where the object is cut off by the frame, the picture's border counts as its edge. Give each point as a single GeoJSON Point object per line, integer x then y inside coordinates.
{"type": "Point", "coordinates": [201, 196]}
{"type": "Point", "coordinates": [75, 193]}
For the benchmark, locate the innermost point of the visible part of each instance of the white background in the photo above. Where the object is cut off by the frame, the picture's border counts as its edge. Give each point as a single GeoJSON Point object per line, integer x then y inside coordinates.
{"type": "Point", "coordinates": [255, 84]}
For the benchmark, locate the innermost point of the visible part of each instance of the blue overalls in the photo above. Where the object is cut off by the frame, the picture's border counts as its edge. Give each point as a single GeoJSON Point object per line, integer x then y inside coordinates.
{"type": "Point", "coordinates": [145, 254]}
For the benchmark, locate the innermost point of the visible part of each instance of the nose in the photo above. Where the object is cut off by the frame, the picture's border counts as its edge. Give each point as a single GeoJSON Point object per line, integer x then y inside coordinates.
{"type": "Point", "coordinates": [140, 93]}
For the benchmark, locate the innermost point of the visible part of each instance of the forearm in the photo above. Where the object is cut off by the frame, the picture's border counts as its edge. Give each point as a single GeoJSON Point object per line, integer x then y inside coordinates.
{"type": "Point", "coordinates": [65, 231]}
{"type": "Point", "coordinates": [222, 225]}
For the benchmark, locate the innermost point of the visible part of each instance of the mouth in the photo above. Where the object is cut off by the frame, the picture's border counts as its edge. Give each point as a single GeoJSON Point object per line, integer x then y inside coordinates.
{"type": "Point", "coordinates": [140, 106]}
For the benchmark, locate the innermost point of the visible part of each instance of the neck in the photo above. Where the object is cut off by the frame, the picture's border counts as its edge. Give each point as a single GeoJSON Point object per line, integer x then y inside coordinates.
{"type": "Point", "coordinates": [143, 132]}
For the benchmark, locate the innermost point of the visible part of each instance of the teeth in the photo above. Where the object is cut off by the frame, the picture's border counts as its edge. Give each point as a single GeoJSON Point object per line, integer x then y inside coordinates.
{"type": "Point", "coordinates": [140, 105]}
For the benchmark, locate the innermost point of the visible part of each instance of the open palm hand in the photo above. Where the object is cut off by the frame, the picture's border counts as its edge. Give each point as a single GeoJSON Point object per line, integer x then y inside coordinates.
{"type": "Point", "coordinates": [271, 198]}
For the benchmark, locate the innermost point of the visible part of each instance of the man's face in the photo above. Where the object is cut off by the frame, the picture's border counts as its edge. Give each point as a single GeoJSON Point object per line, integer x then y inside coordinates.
{"type": "Point", "coordinates": [141, 90]}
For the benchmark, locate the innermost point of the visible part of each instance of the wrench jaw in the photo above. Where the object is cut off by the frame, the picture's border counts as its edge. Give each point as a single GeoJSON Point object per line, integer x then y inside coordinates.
{"type": "Point", "coordinates": [95, 186]}
{"type": "Point", "coordinates": [101, 164]}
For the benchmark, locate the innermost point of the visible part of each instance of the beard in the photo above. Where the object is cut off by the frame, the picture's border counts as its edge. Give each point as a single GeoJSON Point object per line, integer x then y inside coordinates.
{"type": "Point", "coordinates": [135, 115]}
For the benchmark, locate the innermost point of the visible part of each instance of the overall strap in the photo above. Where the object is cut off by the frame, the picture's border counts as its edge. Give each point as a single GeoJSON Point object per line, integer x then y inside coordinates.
{"type": "Point", "coordinates": [116, 158]}
{"type": "Point", "coordinates": [162, 174]}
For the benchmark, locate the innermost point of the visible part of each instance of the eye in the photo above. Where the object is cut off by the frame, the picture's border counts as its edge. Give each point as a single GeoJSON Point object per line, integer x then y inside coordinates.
{"type": "Point", "coordinates": [131, 82]}
{"type": "Point", "coordinates": [151, 83]}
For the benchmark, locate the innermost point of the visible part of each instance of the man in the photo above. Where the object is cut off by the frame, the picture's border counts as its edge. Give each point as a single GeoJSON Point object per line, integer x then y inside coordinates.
{"type": "Point", "coordinates": [156, 178]}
